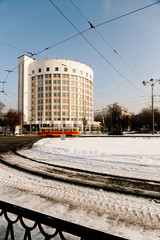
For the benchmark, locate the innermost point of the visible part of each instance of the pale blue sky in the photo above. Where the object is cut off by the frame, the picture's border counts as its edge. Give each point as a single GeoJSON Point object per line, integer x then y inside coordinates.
{"type": "Point", "coordinates": [34, 25]}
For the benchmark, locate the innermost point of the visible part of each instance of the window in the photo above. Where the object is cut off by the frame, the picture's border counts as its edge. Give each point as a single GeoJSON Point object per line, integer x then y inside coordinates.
{"type": "Point", "coordinates": [40, 76]}
{"type": "Point", "coordinates": [47, 75]}
{"type": "Point", "coordinates": [65, 76]}
{"type": "Point", "coordinates": [73, 101]}
{"type": "Point", "coordinates": [32, 71]}
{"type": "Point", "coordinates": [39, 70]}
{"type": "Point", "coordinates": [65, 82]}
{"type": "Point", "coordinates": [65, 69]}
{"type": "Point", "coordinates": [74, 70]}
{"type": "Point", "coordinates": [40, 82]}
{"type": "Point", "coordinates": [56, 69]}
{"type": "Point", "coordinates": [47, 69]}
{"type": "Point", "coordinates": [56, 75]}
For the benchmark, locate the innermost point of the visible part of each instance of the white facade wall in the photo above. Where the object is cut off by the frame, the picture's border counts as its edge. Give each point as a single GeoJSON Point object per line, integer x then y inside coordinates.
{"type": "Point", "coordinates": [24, 86]}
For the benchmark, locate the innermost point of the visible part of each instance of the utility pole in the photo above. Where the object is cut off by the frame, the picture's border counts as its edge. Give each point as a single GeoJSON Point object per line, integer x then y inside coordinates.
{"type": "Point", "coordinates": [152, 83]}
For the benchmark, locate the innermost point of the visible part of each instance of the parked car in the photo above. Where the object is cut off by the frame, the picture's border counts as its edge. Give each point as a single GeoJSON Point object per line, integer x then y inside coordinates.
{"type": "Point", "coordinates": [115, 133]}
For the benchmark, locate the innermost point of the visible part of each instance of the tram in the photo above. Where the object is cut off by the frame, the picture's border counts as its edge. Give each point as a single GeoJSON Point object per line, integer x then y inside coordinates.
{"type": "Point", "coordinates": [50, 131]}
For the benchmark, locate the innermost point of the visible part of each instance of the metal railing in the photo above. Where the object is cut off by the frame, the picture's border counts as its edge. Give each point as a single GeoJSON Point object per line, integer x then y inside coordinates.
{"type": "Point", "coordinates": [61, 229]}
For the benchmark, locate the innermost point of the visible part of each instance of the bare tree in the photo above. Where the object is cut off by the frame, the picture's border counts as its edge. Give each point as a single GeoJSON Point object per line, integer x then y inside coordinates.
{"type": "Point", "coordinates": [113, 118]}
{"type": "Point", "coordinates": [12, 119]}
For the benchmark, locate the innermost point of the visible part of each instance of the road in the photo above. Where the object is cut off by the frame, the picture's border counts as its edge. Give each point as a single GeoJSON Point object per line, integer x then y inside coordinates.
{"type": "Point", "coordinates": [10, 143]}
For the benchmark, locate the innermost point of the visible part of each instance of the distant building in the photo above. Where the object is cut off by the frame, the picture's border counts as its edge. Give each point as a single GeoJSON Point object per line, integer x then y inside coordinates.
{"type": "Point", "coordinates": [55, 92]}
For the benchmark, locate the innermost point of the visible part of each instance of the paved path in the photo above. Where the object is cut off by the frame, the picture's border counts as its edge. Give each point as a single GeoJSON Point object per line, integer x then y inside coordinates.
{"type": "Point", "coordinates": [10, 143]}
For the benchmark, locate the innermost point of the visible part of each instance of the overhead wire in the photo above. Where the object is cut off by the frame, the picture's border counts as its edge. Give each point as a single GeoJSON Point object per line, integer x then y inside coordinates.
{"type": "Point", "coordinates": [127, 14]}
{"type": "Point", "coordinates": [95, 26]}
{"type": "Point", "coordinates": [24, 51]}
{"type": "Point", "coordinates": [75, 35]}
{"type": "Point", "coordinates": [101, 36]}
{"type": "Point", "coordinates": [79, 33]}
{"type": "Point", "coordinates": [102, 56]}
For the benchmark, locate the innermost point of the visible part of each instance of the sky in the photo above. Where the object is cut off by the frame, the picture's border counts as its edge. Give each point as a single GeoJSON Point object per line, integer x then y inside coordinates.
{"type": "Point", "coordinates": [122, 53]}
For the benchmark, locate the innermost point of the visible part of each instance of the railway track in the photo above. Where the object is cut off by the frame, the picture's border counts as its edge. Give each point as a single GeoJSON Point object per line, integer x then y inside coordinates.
{"type": "Point", "coordinates": [134, 186]}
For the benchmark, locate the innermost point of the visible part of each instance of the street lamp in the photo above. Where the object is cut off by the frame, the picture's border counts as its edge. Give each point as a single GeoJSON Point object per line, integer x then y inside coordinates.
{"type": "Point", "coordinates": [152, 83]}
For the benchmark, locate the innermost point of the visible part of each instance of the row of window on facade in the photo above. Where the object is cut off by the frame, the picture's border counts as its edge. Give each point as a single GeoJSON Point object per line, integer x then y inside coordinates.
{"type": "Point", "coordinates": [65, 107]}
{"type": "Point", "coordinates": [60, 119]}
{"type": "Point", "coordinates": [73, 95]}
{"type": "Point", "coordinates": [66, 88]}
{"type": "Point", "coordinates": [40, 101]}
{"type": "Point", "coordinates": [64, 82]}
{"type": "Point", "coordinates": [63, 76]}
{"type": "Point", "coordinates": [73, 89]}
{"type": "Point", "coordinates": [56, 69]}
{"type": "Point", "coordinates": [64, 114]}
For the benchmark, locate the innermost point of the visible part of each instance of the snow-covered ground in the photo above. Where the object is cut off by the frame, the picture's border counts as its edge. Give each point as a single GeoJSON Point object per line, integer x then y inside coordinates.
{"type": "Point", "coordinates": [126, 216]}
{"type": "Point", "coordinates": [136, 157]}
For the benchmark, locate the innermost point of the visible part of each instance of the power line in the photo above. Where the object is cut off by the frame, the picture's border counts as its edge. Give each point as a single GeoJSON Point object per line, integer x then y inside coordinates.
{"type": "Point", "coordinates": [24, 51]}
{"type": "Point", "coordinates": [101, 36]}
{"type": "Point", "coordinates": [94, 46]}
{"type": "Point", "coordinates": [95, 26]}
{"type": "Point", "coordinates": [88, 29]}
{"type": "Point", "coordinates": [79, 33]}
{"type": "Point", "coordinates": [127, 14]}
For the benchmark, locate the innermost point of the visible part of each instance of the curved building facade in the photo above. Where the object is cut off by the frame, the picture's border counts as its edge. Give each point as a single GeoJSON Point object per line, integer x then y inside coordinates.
{"type": "Point", "coordinates": [55, 92]}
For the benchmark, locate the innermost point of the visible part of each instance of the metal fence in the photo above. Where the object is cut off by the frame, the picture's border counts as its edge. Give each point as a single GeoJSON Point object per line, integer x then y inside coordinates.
{"type": "Point", "coordinates": [61, 229]}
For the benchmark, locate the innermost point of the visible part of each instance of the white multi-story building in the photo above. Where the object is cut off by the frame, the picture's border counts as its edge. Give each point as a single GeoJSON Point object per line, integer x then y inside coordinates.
{"type": "Point", "coordinates": [55, 92]}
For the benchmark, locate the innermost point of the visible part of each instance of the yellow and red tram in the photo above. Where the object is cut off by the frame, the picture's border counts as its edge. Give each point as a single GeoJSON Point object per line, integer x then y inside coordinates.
{"type": "Point", "coordinates": [50, 131]}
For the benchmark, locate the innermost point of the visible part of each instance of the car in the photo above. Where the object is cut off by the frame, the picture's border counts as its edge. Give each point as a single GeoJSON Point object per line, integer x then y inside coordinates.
{"type": "Point", "coordinates": [115, 133]}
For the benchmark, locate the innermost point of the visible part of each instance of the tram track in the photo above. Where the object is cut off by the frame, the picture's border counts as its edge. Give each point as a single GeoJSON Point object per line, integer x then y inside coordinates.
{"type": "Point", "coordinates": [108, 182]}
